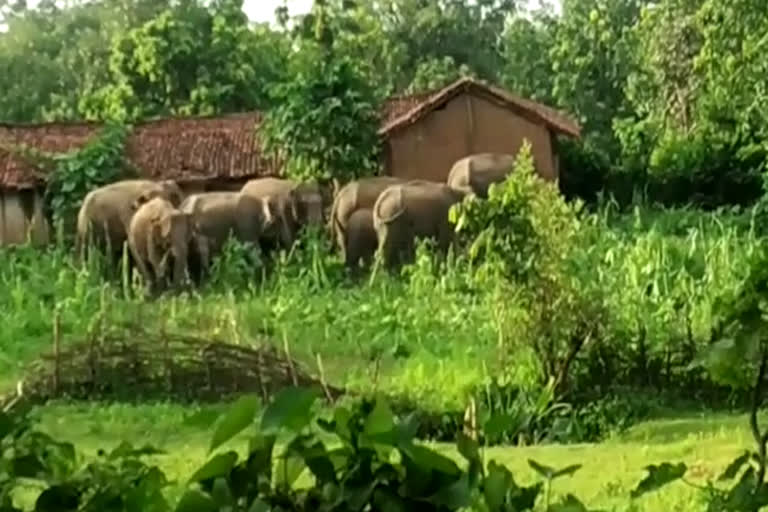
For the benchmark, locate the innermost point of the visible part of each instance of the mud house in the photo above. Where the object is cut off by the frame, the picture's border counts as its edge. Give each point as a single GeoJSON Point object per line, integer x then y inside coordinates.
{"type": "Point", "coordinates": [423, 135]}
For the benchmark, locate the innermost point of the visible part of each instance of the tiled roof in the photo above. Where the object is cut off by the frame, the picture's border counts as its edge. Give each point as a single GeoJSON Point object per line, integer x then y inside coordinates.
{"type": "Point", "coordinates": [535, 111]}
{"type": "Point", "coordinates": [17, 171]}
{"type": "Point", "coordinates": [188, 149]}
{"type": "Point", "coordinates": [227, 146]}
{"type": "Point", "coordinates": [185, 149]}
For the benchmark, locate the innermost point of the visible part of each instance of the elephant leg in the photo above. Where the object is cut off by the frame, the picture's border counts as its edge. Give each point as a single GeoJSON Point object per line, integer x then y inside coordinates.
{"type": "Point", "coordinates": [179, 269]}
{"type": "Point", "coordinates": [388, 245]}
{"type": "Point", "coordinates": [144, 270]}
{"type": "Point", "coordinates": [204, 250]}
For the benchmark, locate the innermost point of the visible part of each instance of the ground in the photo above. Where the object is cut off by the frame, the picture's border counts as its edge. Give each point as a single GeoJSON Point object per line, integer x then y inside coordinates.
{"type": "Point", "coordinates": [706, 442]}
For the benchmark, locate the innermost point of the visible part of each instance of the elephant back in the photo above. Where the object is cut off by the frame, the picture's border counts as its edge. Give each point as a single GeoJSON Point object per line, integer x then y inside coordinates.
{"type": "Point", "coordinates": [390, 204]}
{"type": "Point", "coordinates": [262, 187]}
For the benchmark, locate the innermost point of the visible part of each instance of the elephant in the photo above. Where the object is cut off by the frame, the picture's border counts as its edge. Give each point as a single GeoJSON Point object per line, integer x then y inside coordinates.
{"type": "Point", "coordinates": [159, 232]}
{"type": "Point", "coordinates": [360, 238]}
{"type": "Point", "coordinates": [476, 173]}
{"type": "Point", "coordinates": [106, 212]}
{"type": "Point", "coordinates": [294, 204]}
{"type": "Point", "coordinates": [416, 209]}
{"type": "Point", "coordinates": [355, 195]}
{"type": "Point", "coordinates": [217, 215]}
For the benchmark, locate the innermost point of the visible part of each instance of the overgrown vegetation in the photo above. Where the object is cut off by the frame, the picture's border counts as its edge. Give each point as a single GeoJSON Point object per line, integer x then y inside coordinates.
{"type": "Point", "coordinates": [99, 162]}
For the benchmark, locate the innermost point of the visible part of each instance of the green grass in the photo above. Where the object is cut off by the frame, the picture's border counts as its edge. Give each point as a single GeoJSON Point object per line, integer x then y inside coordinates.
{"type": "Point", "coordinates": [427, 335]}
{"type": "Point", "coordinates": [707, 443]}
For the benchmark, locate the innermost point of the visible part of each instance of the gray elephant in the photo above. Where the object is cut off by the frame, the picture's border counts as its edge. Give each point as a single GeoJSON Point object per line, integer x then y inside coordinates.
{"type": "Point", "coordinates": [360, 238]}
{"type": "Point", "coordinates": [355, 195]}
{"type": "Point", "coordinates": [159, 234]}
{"type": "Point", "coordinates": [413, 210]}
{"type": "Point", "coordinates": [216, 216]}
{"type": "Point", "coordinates": [293, 204]}
{"type": "Point", "coordinates": [476, 173]}
{"type": "Point", "coordinates": [106, 212]}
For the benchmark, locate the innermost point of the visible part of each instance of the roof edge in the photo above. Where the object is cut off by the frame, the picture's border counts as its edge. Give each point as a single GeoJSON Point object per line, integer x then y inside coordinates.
{"type": "Point", "coordinates": [564, 125]}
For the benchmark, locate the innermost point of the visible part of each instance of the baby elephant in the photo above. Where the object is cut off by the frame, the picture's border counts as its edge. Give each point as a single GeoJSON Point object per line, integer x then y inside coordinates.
{"type": "Point", "coordinates": [158, 234]}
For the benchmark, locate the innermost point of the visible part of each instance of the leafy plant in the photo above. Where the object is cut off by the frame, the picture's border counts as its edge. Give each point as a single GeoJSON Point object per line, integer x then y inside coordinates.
{"type": "Point", "coordinates": [324, 122]}
{"type": "Point", "coordinates": [75, 174]}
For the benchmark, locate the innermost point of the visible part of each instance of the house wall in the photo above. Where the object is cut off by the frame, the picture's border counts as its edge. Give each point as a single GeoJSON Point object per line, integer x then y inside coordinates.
{"type": "Point", "coordinates": [465, 125]}
{"type": "Point", "coordinates": [21, 217]}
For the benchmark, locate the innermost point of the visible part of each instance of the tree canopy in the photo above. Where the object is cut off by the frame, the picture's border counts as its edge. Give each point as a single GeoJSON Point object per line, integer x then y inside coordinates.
{"type": "Point", "coordinates": [671, 93]}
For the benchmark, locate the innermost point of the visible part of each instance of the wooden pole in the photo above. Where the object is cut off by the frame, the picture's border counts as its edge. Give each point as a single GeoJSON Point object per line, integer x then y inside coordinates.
{"type": "Point", "coordinates": [56, 351]}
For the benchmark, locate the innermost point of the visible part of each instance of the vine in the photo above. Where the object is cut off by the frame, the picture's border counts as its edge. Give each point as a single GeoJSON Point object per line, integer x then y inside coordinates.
{"type": "Point", "coordinates": [74, 174]}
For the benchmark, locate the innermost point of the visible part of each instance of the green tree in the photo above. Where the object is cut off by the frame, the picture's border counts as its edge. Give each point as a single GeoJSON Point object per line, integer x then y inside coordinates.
{"type": "Point", "coordinates": [527, 42]}
{"type": "Point", "coordinates": [325, 119]}
{"type": "Point", "coordinates": [469, 33]}
{"type": "Point", "coordinates": [191, 60]}
{"type": "Point", "coordinates": [591, 59]}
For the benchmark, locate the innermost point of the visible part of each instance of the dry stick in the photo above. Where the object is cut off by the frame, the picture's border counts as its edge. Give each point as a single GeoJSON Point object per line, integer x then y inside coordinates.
{"type": "Point", "coordinates": [259, 370]}
{"type": "Point", "coordinates": [322, 377]}
{"type": "Point", "coordinates": [287, 350]}
{"type": "Point", "coordinates": [56, 351]}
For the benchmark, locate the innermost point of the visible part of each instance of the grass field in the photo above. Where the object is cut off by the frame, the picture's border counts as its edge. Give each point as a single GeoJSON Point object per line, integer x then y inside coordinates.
{"type": "Point", "coordinates": [706, 442]}
{"type": "Point", "coordinates": [425, 335]}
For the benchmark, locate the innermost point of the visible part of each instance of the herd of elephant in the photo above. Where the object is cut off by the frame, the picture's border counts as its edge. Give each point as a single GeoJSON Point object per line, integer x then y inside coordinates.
{"type": "Point", "coordinates": [172, 237]}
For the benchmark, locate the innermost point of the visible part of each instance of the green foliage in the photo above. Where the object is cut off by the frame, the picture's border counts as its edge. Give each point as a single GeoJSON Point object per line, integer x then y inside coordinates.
{"type": "Point", "coordinates": [119, 480]}
{"type": "Point", "coordinates": [325, 119]}
{"type": "Point", "coordinates": [74, 174]}
{"type": "Point", "coordinates": [525, 227]}
{"type": "Point", "coordinates": [190, 59]}
{"type": "Point", "coordinates": [527, 233]}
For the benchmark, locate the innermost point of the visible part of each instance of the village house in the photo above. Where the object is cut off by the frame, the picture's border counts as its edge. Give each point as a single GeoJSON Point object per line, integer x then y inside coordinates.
{"type": "Point", "coordinates": [423, 135]}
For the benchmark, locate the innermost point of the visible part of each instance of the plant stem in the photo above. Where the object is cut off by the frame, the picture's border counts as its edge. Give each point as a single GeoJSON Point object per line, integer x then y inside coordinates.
{"type": "Point", "coordinates": [757, 399]}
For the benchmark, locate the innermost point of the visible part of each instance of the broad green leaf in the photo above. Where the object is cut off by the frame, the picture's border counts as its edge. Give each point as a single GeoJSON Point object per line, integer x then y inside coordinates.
{"type": "Point", "coordinates": [381, 419]}
{"type": "Point", "coordinates": [291, 410]}
{"type": "Point", "coordinates": [499, 424]}
{"type": "Point", "coordinates": [58, 498]}
{"type": "Point", "coordinates": [659, 476]}
{"type": "Point", "coordinates": [259, 506]}
{"type": "Point", "coordinates": [221, 493]}
{"type": "Point", "coordinates": [218, 466]}
{"type": "Point", "coordinates": [733, 468]}
{"type": "Point", "coordinates": [202, 419]}
{"type": "Point", "coordinates": [456, 495]}
{"type": "Point", "coordinates": [429, 459]}
{"type": "Point", "coordinates": [238, 418]}
{"type": "Point", "coordinates": [288, 470]}
{"type": "Point", "coordinates": [495, 485]}
{"type": "Point", "coordinates": [196, 501]}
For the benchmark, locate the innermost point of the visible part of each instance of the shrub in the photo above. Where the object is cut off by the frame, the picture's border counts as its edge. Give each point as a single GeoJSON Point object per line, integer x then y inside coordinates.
{"type": "Point", "coordinates": [529, 237]}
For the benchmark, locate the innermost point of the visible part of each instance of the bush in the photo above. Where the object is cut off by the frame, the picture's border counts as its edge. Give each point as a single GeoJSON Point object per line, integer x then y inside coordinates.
{"type": "Point", "coordinates": [529, 237]}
